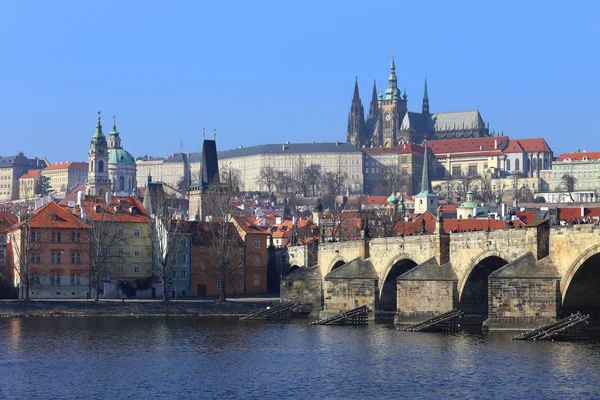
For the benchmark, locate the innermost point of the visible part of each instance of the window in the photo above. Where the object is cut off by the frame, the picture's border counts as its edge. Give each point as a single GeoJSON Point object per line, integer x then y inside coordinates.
{"type": "Point", "coordinates": [517, 166]}
{"type": "Point", "coordinates": [183, 258]}
{"type": "Point", "coordinates": [256, 243]}
{"type": "Point", "coordinates": [456, 170]}
{"type": "Point", "coordinates": [472, 171]}
{"type": "Point", "coordinates": [75, 258]}
{"type": "Point", "coordinates": [136, 252]}
{"type": "Point", "coordinates": [174, 274]}
{"type": "Point", "coordinates": [75, 279]}
{"type": "Point", "coordinates": [241, 266]}
{"type": "Point", "coordinates": [508, 165]}
{"type": "Point", "coordinates": [218, 285]}
{"type": "Point", "coordinates": [241, 251]}
{"type": "Point", "coordinates": [76, 237]}
{"type": "Point", "coordinates": [256, 260]}
{"type": "Point", "coordinates": [202, 265]}
{"type": "Point", "coordinates": [183, 274]}
{"type": "Point", "coordinates": [121, 251]}
{"type": "Point", "coordinates": [105, 251]}
{"type": "Point", "coordinates": [136, 232]}
{"type": "Point", "coordinates": [202, 250]}
{"type": "Point", "coordinates": [121, 231]}
{"type": "Point", "coordinates": [184, 242]}
{"type": "Point", "coordinates": [240, 285]}
{"type": "Point", "coordinates": [53, 237]}
{"type": "Point", "coordinates": [256, 280]}
{"type": "Point", "coordinates": [55, 279]}
{"type": "Point", "coordinates": [136, 268]}
{"type": "Point", "coordinates": [121, 269]}
{"type": "Point", "coordinates": [56, 257]}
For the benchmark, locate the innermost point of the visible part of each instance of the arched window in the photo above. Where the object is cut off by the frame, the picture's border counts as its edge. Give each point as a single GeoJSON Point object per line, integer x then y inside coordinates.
{"type": "Point", "coordinates": [508, 165]}
{"type": "Point", "coordinates": [533, 164]}
{"type": "Point", "coordinates": [92, 166]}
{"type": "Point", "coordinates": [121, 183]}
{"type": "Point", "coordinates": [540, 164]}
{"type": "Point", "coordinates": [517, 165]}
{"type": "Point", "coordinates": [100, 166]}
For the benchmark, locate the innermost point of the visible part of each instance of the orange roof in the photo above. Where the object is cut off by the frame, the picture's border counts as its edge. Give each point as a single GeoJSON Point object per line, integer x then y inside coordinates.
{"type": "Point", "coordinates": [55, 216]}
{"type": "Point", "coordinates": [579, 156]}
{"type": "Point", "coordinates": [6, 220]}
{"type": "Point", "coordinates": [472, 145]}
{"type": "Point", "coordinates": [66, 165]}
{"type": "Point", "coordinates": [375, 200]}
{"type": "Point", "coordinates": [534, 145]}
{"type": "Point", "coordinates": [247, 225]}
{"type": "Point", "coordinates": [574, 213]}
{"type": "Point", "coordinates": [119, 210]}
{"type": "Point", "coordinates": [32, 173]}
{"type": "Point", "coordinates": [72, 196]}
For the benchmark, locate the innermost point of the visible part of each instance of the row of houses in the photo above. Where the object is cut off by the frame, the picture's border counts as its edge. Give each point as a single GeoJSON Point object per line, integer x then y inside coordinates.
{"type": "Point", "coordinates": [106, 248]}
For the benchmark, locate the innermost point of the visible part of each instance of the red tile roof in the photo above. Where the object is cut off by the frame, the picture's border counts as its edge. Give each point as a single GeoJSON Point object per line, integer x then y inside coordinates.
{"type": "Point", "coordinates": [466, 225]}
{"type": "Point", "coordinates": [375, 200]}
{"type": "Point", "coordinates": [472, 145]}
{"type": "Point", "coordinates": [72, 196]}
{"type": "Point", "coordinates": [7, 219]}
{"type": "Point", "coordinates": [65, 165]}
{"type": "Point", "coordinates": [120, 209]}
{"type": "Point", "coordinates": [533, 145]}
{"type": "Point", "coordinates": [55, 216]}
{"type": "Point", "coordinates": [526, 216]}
{"type": "Point", "coordinates": [579, 156]}
{"type": "Point", "coordinates": [574, 213]}
{"type": "Point", "coordinates": [32, 173]}
{"type": "Point", "coordinates": [247, 225]}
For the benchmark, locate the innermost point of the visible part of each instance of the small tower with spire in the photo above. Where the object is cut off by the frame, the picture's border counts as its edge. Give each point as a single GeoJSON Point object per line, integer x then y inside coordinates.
{"type": "Point", "coordinates": [426, 200]}
{"type": "Point", "coordinates": [356, 119]}
{"type": "Point", "coordinates": [98, 183]}
{"type": "Point", "coordinates": [392, 108]}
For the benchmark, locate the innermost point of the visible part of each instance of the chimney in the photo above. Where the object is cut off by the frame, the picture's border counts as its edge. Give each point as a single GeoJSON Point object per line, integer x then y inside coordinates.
{"type": "Point", "coordinates": [337, 142]}
{"type": "Point", "coordinates": [283, 147]}
{"type": "Point", "coordinates": [495, 143]}
{"type": "Point", "coordinates": [582, 212]}
{"type": "Point", "coordinates": [277, 220]}
{"type": "Point", "coordinates": [294, 220]}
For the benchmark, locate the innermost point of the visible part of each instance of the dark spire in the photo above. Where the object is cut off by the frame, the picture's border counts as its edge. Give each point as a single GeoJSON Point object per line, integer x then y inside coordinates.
{"type": "Point", "coordinates": [425, 99]}
{"type": "Point", "coordinates": [356, 96]}
{"type": "Point", "coordinates": [373, 110]}
{"type": "Point", "coordinates": [425, 181]}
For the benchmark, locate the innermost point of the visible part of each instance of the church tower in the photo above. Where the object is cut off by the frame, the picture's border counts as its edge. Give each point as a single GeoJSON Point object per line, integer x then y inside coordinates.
{"type": "Point", "coordinates": [391, 110]}
{"type": "Point", "coordinates": [356, 119]}
{"type": "Point", "coordinates": [426, 100]}
{"type": "Point", "coordinates": [98, 183]}
{"type": "Point", "coordinates": [426, 200]}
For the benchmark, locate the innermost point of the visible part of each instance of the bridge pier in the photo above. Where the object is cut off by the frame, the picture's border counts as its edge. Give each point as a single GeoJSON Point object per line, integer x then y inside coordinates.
{"type": "Point", "coordinates": [523, 294]}
{"type": "Point", "coordinates": [426, 291]}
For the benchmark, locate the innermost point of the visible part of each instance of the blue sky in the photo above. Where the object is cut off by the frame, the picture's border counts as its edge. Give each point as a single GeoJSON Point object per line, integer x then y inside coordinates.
{"type": "Point", "coordinates": [265, 72]}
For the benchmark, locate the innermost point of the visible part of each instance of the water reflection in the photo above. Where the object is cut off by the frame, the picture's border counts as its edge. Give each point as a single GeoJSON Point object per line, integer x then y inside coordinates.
{"type": "Point", "coordinates": [227, 358]}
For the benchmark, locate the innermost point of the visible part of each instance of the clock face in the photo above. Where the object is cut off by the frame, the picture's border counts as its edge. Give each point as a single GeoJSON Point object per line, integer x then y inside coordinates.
{"type": "Point", "coordinates": [388, 117]}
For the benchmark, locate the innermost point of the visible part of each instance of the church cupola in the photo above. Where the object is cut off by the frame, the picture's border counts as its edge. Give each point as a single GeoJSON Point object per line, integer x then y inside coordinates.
{"type": "Point", "coordinates": [392, 92]}
{"type": "Point", "coordinates": [114, 140]}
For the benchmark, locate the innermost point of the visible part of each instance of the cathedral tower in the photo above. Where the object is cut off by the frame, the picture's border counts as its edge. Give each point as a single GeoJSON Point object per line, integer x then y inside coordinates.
{"type": "Point", "coordinates": [425, 100]}
{"type": "Point", "coordinates": [98, 183]}
{"type": "Point", "coordinates": [356, 119]}
{"type": "Point", "coordinates": [391, 111]}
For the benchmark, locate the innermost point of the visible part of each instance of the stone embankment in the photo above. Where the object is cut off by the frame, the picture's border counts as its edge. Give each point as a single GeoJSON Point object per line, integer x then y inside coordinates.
{"type": "Point", "coordinates": [90, 308]}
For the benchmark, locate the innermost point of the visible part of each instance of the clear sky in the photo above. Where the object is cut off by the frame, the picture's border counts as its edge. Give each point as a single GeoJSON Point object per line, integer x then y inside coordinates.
{"type": "Point", "coordinates": [269, 72]}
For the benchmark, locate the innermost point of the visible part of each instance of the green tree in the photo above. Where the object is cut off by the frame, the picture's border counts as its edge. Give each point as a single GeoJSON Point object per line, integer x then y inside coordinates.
{"type": "Point", "coordinates": [43, 186]}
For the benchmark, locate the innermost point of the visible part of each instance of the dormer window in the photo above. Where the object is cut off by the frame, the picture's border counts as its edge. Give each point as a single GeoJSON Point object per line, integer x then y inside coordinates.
{"type": "Point", "coordinates": [585, 158]}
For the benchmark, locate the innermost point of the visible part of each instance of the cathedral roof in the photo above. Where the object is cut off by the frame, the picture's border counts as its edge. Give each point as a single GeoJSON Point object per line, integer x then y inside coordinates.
{"type": "Point", "coordinates": [289, 148]}
{"type": "Point", "coordinates": [457, 120]}
{"type": "Point", "coordinates": [120, 156]}
{"type": "Point", "coordinates": [412, 121]}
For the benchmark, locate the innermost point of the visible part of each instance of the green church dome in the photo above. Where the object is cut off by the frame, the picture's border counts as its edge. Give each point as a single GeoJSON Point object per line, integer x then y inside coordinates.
{"type": "Point", "coordinates": [120, 156]}
{"type": "Point", "coordinates": [393, 200]}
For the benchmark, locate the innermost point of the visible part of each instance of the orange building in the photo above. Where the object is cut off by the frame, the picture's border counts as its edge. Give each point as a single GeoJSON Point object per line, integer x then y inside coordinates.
{"type": "Point", "coordinates": [255, 264]}
{"type": "Point", "coordinates": [48, 250]}
{"type": "Point", "coordinates": [209, 240]}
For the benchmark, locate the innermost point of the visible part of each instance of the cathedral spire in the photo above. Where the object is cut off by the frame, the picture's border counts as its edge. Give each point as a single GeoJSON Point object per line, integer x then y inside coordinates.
{"type": "Point", "coordinates": [425, 99]}
{"type": "Point", "coordinates": [392, 92]}
{"type": "Point", "coordinates": [356, 96]}
{"type": "Point", "coordinates": [373, 106]}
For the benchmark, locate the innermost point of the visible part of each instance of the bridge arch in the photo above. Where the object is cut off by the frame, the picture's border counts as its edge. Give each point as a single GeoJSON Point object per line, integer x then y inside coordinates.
{"type": "Point", "coordinates": [579, 288]}
{"type": "Point", "coordinates": [473, 284]}
{"type": "Point", "coordinates": [388, 290]}
{"type": "Point", "coordinates": [337, 262]}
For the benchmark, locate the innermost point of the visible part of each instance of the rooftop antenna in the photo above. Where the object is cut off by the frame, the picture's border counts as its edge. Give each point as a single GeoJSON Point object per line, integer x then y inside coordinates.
{"type": "Point", "coordinates": [204, 133]}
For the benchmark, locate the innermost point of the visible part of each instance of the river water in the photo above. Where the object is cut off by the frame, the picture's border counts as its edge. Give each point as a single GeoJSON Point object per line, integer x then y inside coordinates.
{"type": "Point", "coordinates": [190, 358]}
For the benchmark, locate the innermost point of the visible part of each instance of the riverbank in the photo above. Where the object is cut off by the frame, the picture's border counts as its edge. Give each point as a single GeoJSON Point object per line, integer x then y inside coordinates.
{"type": "Point", "coordinates": [103, 308]}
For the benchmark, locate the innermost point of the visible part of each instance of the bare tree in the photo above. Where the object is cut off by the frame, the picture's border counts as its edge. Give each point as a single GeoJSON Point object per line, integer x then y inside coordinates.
{"type": "Point", "coordinates": [333, 182]}
{"type": "Point", "coordinates": [222, 240]}
{"type": "Point", "coordinates": [568, 184]}
{"type": "Point", "coordinates": [516, 178]}
{"type": "Point", "coordinates": [232, 178]}
{"type": "Point", "coordinates": [464, 182]}
{"type": "Point", "coordinates": [283, 181]}
{"type": "Point", "coordinates": [267, 177]}
{"type": "Point", "coordinates": [166, 242]}
{"type": "Point", "coordinates": [100, 242]}
{"type": "Point", "coordinates": [485, 188]}
{"type": "Point", "coordinates": [393, 178]}
{"type": "Point", "coordinates": [313, 175]}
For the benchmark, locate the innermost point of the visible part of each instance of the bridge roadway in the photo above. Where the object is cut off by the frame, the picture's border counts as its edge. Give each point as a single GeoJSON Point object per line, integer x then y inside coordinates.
{"type": "Point", "coordinates": [513, 278]}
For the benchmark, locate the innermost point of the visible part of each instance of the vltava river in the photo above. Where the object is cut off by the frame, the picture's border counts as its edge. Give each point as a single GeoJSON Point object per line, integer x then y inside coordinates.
{"type": "Point", "coordinates": [190, 358]}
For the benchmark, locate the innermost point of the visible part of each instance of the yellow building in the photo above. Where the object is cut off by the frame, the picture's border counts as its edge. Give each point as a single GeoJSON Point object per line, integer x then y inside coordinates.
{"type": "Point", "coordinates": [67, 175]}
{"type": "Point", "coordinates": [28, 184]}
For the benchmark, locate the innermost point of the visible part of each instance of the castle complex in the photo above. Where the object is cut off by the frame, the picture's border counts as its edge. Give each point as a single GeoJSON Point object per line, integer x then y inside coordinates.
{"type": "Point", "coordinates": [389, 122]}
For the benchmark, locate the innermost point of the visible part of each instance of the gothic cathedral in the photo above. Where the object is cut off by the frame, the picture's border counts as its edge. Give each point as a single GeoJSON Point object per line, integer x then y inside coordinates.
{"type": "Point", "coordinates": [389, 122]}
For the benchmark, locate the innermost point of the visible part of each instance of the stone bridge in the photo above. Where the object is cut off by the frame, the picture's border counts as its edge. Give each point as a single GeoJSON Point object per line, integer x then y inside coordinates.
{"type": "Point", "coordinates": [512, 278]}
